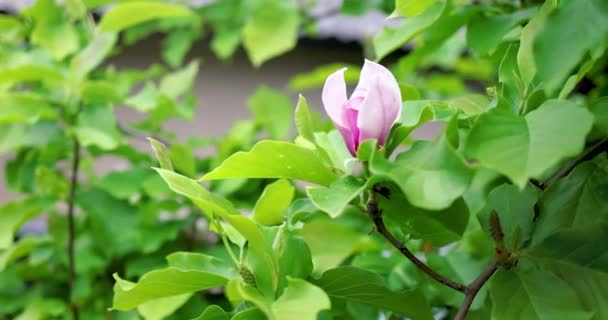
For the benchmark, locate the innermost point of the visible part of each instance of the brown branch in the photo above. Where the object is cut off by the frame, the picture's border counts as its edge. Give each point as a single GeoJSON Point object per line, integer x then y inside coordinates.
{"type": "Point", "coordinates": [71, 228]}
{"type": "Point", "coordinates": [472, 289]}
{"type": "Point", "coordinates": [376, 215]}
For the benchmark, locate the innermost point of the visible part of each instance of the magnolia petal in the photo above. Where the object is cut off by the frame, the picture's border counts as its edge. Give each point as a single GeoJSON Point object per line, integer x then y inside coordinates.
{"type": "Point", "coordinates": [334, 96]}
{"type": "Point", "coordinates": [379, 111]}
{"type": "Point", "coordinates": [369, 71]}
{"type": "Point", "coordinates": [349, 140]}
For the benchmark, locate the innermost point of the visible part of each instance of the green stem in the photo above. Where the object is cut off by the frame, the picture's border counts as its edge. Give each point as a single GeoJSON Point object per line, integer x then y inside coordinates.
{"type": "Point", "coordinates": [71, 228]}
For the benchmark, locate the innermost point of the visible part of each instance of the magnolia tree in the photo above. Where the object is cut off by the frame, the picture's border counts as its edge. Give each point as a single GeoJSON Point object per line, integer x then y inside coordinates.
{"type": "Point", "coordinates": [502, 215]}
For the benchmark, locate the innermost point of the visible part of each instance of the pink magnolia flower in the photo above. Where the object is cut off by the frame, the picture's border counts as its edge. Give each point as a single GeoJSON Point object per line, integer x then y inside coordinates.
{"type": "Point", "coordinates": [371, 110]}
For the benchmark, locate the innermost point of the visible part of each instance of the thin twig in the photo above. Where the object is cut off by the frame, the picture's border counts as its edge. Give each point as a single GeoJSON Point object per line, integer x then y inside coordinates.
{"type": "Point", "coordinates": [472, 289]}
{"type": "Point", "coordinates": [587, 155]}
{"type": "Point", "coordinates": [71, 228]}
{"type": "Point", "coordinates": [376, 215]}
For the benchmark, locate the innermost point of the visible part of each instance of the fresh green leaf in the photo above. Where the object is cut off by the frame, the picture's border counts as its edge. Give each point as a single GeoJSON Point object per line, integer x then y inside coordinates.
{"type": "Point", "coordinates": [127, 14]}
{"type": "Point", "coordinates": [271, 31]}
{"type": "Point", "coordinates": [410, 8]}
{"type": "Point", "coordinates": [213, 312]}
{"type": "Point", "coordinates": [522, 147]}
{"type": "Point", "coordinates": [274, 159]}
{"type": "Point", "coordinates": [97, 127]}
{"type": "Point", "coordinates": [272, 110]}
{"type": "Point", "coordinates": [337, 196]}
{"type": "Point", "coordinates": [390, 39]}
{"type": "Point", "coordinates": [272, 203]}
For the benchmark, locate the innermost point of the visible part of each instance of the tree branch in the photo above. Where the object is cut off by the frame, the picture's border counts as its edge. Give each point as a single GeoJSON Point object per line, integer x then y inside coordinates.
{"type": "Point", "coordinates": [472, 289]}
{"type": "Point", "coordinates": [376, 215]}
{"type": "Point", "coordinates": [587, 155]}
{"type": "Point", "coordinates": [71, 228]}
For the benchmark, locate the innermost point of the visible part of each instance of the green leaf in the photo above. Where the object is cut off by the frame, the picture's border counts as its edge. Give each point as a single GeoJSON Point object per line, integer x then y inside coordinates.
{"type": "Point", "coordinates": [20, 249]}
{"type": "Point", "coordinates": [316, 78]}
{"type": "Point", "coordinates": [92, 55]}
{"type": "Point", "coordinates": [187, 273]}
{"type": "Point", "coordinates": [97, 127]}
{"type": "Point", "coordinates": [24, 107]}
{"type": "Point", "coordinates": [515, 209]}
{"type": "Point", "coordinates": [274, 159]}
{"type": "Point", "coordinates": [431, 175]}
{"type": "Point", "coordinates": [225, 42]}
{"type": "Point", "coordinates": [390, 39]}
{"type": "Point", "coordinates": [120, 184]}
{"type": "Point", "coordinates": [159, 309]}
{"type": "Point", "coordinates": [534, 295]}
{"type": "Point", "coordinates": [522, 147]}
{"type": "Point", "coordinates": [213, 312]}
{"type": "Point", "coordinates": [127, 14]}
{"type": "Point", "coordinates": [209, 203]}
{"type": "Point", "coordinates": [334, 199]}
{"type": "Point", "coordinates": [179, 42]}
{"type": "Point", "coordinates": [307, 120]}
{"type": "Point", "coordinates": [162, 154]}
{"type": "Point", "coordinates": [600, 113]}
{"type": "Point", "coordinates": [250, 314]}
{"type": "Point", "coordinates": [301, 300]}
{"type": "Point", "coordinates": [14, 214]}
{"type": "Point", "coordinates": [52, 30]}
{"type": "Point", "coordinates": [15, 135]}
{"type": "Point", "coordinates": [576, 202]}
{"type": "Point", "coordinates": [271, 31]}
{"type": "Point", "coordinates": [330, 242]}
{"type": "Point", "coordinates": [410, 8]}
{"type": "Point", "coordinates": [272, 110]}
{"type": "Point", "coordinates": [271, 205]}
{"type": "Point", "coordinates": [485, 33]}
{"type": "Point", "coordinates": [553, 65]}
{"type": "Point", "coordinates": [180, 81]}
{"type": "Point", "coordinates": [362, 286]}
{"type": "Point", "coordinates": [439, 227]}
{"type": "Point", "coordinates": [104, 213]}
{"type": "Point", "coordinates": [331, 145]}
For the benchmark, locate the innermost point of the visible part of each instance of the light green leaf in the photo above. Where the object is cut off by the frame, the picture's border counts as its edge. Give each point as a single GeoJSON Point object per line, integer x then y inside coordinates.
{"type": "Point", "coordinates": [272, 110]}
{"type": "Point", "coordinates": [52, 30]}
{"type": "Point", "coordinates": [390, 39]}
{"type": "Point", "coordinates": [120, 183]}
{"type": "Point", "coordinates": [337, 196]}
{"type": "Point", "coordinates": [225, 41]}
{"type": "Point", "coordinates": [97, 127]}
{"type": "Point", "coordinates": [162, 154]}
{"type": "Point", "coordinates": [308, 121]}
{"type": "Point", "coordinates": [271, 31]}
{"type": "Point", "coordinates": [431, 175]}
{"type": "Point", "coordinates": [332, 145]}
{"type": "Point", "coordinates": [187, 273]}
{"type": "Point", "coordinates": [209, 203]}
{"type": "Point", "coordinates": [362, 286]}
{"type": "Point", "coordinates": [271, 205]}
{"type": "Point", "coordinates": [24, 107]}
{"type": "Point", "coordinates": [301, 300]}
{"type": "Point", "coordinates": [213, 312]}
{"type": "Point", "coordinates": [534, 295]}
{"type": "Point", "coordinates": [14, 214]}
{"type": "Point", "coordinates": [316, 78]}
{"type": "Point", "coordinates": [179, 82]}
{"type": "Point", "coordinates": [159, 309]}
{"type": "Point", "coordinates": [20, 249]}
{"type": "Point", "coordinates": [410, 8]}
{"type": "Point", "coordinates": [521, 147]}
{"type": "Point", "coordinates": [330, 242]}
{"type": "Point", "coordinates": [92, 55]}
{"type": "Point", "coordinates": [125, 15]}
{"type": "Point", "coordinates": [274, 159]}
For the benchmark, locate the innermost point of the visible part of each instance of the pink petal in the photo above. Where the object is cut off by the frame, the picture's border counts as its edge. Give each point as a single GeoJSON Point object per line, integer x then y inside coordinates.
{"type": "Point", "coordinates": [334, 96]}
{"type": "Point", "coordinates": [380, 109]}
